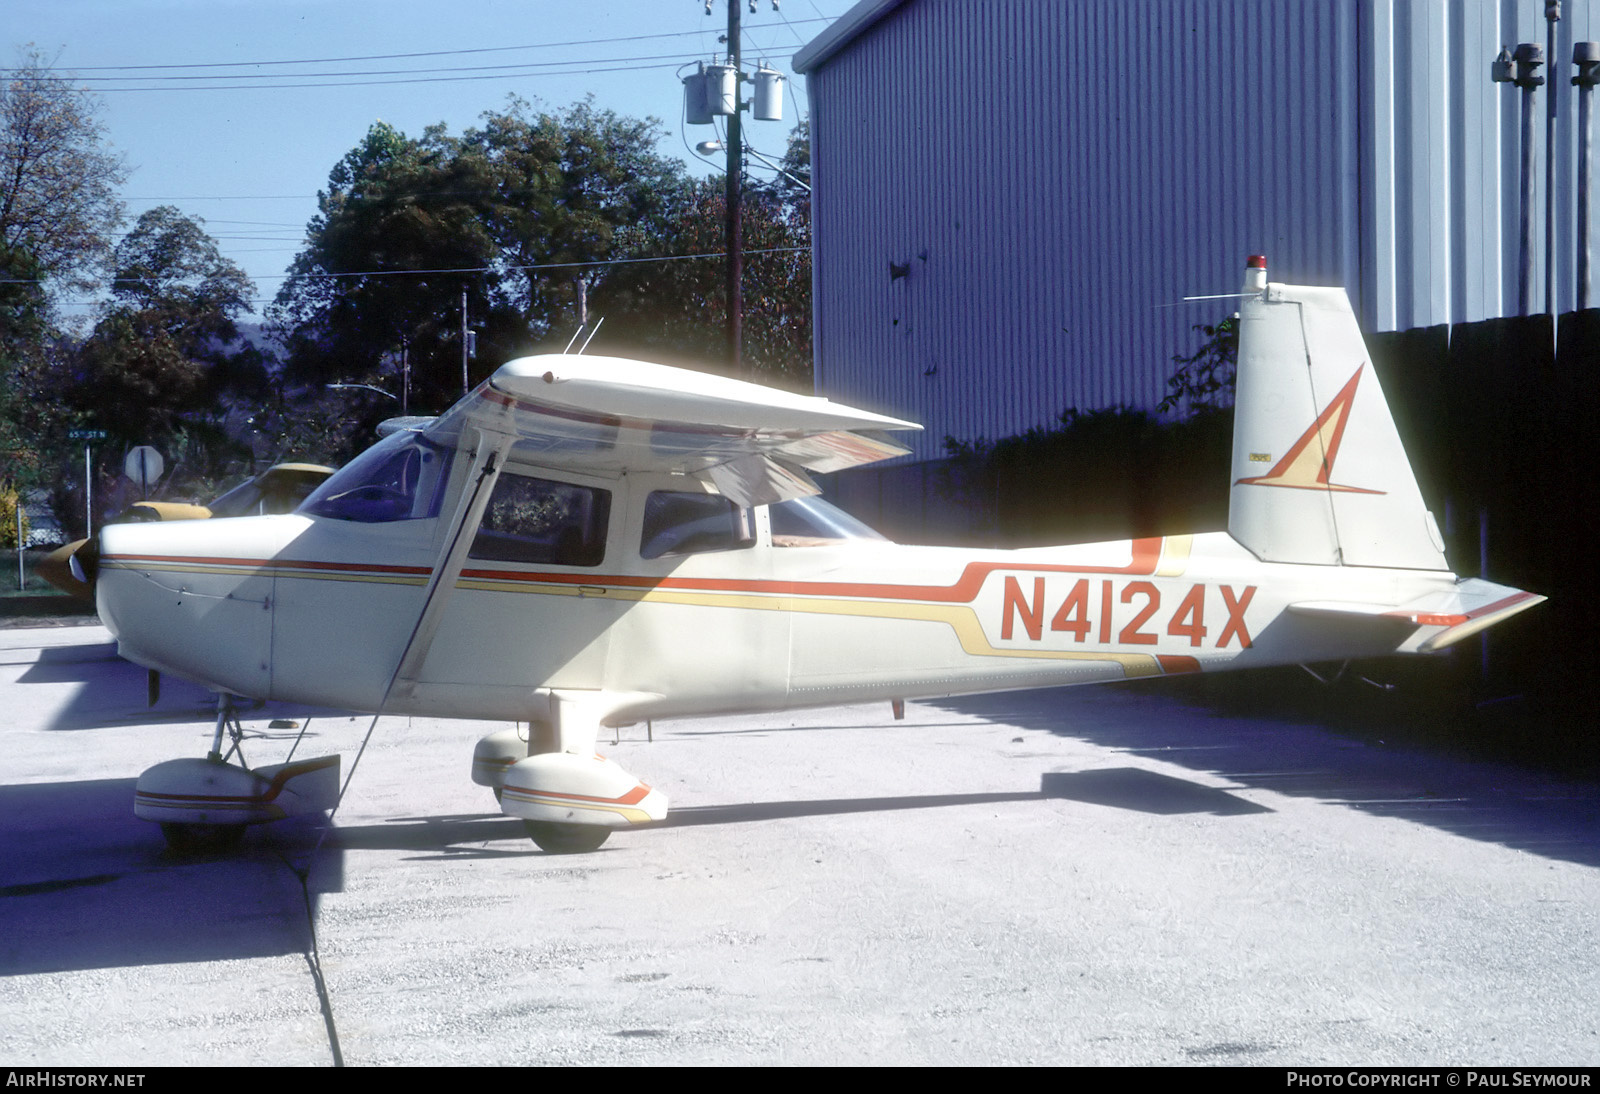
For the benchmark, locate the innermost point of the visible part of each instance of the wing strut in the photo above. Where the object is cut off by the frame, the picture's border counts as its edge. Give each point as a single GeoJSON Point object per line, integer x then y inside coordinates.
{"type": "Point", "coordinates": [490, 455]}
{"type": "Point", "coordinates": [485, 472]}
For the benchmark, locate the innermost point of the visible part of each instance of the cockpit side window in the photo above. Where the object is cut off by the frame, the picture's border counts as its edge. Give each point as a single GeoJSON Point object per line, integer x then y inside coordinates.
{"type": "Point", "coordinates": [688, 524]}
{"type": "Point", "coordinates": [549, 523]}
{"type": "Point", "coordinates": [402, 477]}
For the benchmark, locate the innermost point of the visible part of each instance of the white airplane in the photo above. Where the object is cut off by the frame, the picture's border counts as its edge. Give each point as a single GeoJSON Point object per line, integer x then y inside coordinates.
{"type": "Point", "coordinates": [588, 542]}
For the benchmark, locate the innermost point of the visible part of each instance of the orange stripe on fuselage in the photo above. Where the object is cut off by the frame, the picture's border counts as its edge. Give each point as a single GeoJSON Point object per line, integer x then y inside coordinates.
{"type": "Point", "coordinates": [1146, 557]}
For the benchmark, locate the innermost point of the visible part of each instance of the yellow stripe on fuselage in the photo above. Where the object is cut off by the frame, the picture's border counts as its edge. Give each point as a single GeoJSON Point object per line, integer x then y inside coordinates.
{"type": "Point", "coordinates": [960, 618]}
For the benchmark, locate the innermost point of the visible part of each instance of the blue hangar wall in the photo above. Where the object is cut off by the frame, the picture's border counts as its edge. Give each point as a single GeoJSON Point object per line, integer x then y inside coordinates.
{"type": "Point", "coordinates": [1012, 197]}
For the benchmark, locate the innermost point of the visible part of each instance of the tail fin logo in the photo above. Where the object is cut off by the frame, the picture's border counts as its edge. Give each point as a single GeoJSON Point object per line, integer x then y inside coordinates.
{"type": "Point", "coordinates": [1308, 465]}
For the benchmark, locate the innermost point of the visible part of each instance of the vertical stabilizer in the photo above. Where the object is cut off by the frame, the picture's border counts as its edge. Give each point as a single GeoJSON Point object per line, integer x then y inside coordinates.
{"type": "Point", "coordinates": [1319, 474]}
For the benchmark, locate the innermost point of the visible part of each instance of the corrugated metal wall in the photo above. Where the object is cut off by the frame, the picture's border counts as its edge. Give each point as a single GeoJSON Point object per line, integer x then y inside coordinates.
{"type": "Point", "coordinates": [1013, 196]}
{"type": "Point", "coordinates": [1440, 150]}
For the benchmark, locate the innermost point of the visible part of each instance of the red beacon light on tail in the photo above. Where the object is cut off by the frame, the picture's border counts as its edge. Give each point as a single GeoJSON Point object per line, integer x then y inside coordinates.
{"type": "Point", "coordinates": [1255, 273]}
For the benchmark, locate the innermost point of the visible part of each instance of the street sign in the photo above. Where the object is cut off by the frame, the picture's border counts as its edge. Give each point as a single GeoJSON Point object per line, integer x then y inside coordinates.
{"type": "Point", "coordinates": [143, 466]}
{"type": "Point", "coordinates": [86, 434]}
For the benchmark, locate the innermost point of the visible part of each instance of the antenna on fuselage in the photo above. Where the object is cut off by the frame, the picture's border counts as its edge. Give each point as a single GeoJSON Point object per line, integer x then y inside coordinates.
{"type": "Point", "coordinates": [581, 328]}
{"type": "Point", "coordinates": [592, 333]}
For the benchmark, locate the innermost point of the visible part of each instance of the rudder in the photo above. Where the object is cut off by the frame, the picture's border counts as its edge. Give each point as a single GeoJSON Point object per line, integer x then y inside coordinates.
{"type": "Point", "coordinates": [1319, 473]}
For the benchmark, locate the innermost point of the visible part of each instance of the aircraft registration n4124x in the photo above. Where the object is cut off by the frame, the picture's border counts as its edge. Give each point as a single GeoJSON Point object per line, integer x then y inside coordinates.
{"type": "Point", "coordinates": [586, 542]}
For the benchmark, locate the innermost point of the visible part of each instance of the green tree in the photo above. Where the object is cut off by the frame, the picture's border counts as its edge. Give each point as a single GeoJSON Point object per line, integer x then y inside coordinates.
{"type": "Point", "coordinates": [1204, 379]}
{"type": "Point", "coordinates": [24, 332]}
{"type": "Point", "coordinates": [400, 232]}
{"type": "Point", "coordinates": [570, 190]}
{"type": "Point", "coordinates": [406, 226]}
{"type": "Point", "coordinates": [58, 180]}
{"type": "Point", "coordinates": [676, 308]}
{"type": "Point", "coordinates": [146, 367]}
{"type": "Point", "coordinates": [58, 208]}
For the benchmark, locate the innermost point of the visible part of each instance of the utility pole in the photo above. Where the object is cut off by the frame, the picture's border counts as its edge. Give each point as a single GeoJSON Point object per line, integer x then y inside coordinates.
{"type": "Point", "coordinates": [1586, 56]}
{"type": "Point", "coordinates": [735, 234]}
{"type": "Point", "coordinates": [1552, 15]}
{"type": "Point", "coordinates": [1522, 70]}
{"type": "Point", "coordinates": [463, 340]}
{"type": "Point", "coordinates": [712, 91]}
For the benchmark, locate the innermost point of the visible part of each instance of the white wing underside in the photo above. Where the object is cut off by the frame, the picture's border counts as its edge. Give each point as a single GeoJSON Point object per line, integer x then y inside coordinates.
{"type": "Point", "coordinates": [753, 444]}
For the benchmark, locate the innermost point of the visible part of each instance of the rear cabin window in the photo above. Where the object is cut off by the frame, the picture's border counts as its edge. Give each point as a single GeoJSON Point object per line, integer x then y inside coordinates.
{"type": "Point", "coordinates": [549, 523]}
{"type": "Point", "coordinates": [812, 522]}
{"type": "Point", "coordinates": [689, 524]}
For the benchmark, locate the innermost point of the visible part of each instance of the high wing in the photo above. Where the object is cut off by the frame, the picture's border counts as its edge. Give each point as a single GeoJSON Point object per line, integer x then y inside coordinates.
{"type": "Point", "coordinates": [754, 444]}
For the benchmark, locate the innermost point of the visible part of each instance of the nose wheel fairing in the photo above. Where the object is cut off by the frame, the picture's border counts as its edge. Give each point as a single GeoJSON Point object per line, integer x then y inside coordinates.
{"type": "Point", "coordinates": [203, 805]}
{"type": "Point", "coordinates": [209, 792]}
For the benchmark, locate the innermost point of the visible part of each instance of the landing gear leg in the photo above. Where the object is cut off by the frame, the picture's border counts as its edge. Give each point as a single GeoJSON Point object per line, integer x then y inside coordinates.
{"type": "Point", "coordinates": [227, 721]}
{"type": "Point", "coordinates": [203, 805]}
{"type": "Point", "coordinates": [187, 838]}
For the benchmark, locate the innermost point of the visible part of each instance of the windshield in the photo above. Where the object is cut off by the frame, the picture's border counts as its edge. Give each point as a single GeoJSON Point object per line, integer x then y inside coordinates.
{"type": "Point", "coordinates": [402, 477]}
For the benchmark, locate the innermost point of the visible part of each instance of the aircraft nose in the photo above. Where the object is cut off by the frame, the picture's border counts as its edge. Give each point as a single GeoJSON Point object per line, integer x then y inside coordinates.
{"type": "Point", "coordinates": [120, 598]}
{"type": "Point", "coordinates": [177, 602]}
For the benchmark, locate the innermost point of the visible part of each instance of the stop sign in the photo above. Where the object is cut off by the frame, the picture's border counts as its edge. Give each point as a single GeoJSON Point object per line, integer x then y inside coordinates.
{"type": "Point", "coordinates": [143, 466]}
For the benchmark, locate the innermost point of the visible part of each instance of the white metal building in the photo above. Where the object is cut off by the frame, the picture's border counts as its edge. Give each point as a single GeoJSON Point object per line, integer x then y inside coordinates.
{"type": "Point", "coordinates": [1012, 197]}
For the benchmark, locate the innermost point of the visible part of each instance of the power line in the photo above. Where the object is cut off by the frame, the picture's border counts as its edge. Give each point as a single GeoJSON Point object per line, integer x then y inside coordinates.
{"type": "Point", "coordinates": [441, 270]}
{"type": "Point", "coordinates": [381, 83]}
{"type": "Point", "coordinates": [678, 62]}
{"type": "Point", "coordinates": [431, 53]}
{"type": "Point", "coordinates": [229, 197]}
{"type": "Point", "coordinates": [262, 76]}
{"type": "Point", "coordinates": [675, 60]}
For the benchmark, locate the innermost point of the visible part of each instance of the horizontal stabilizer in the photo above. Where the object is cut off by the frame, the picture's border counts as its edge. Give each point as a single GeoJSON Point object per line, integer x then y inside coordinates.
{"type": "Point", "coordinates": [1458, 613]}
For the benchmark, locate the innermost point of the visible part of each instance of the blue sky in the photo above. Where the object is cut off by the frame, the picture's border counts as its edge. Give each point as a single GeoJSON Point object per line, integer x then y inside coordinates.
{"type": "Point", "coordinates": [249, 154]}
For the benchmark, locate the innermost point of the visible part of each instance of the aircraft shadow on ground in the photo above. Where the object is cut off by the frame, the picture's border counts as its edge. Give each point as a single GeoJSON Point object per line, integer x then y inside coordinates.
{"type": "Point", "coordinates": [1123, 788]}
{"type": "Point", "coordinates": [91, 886]}
{"type": "Point", "coordinates": [87, 885]}
{"type": "Point", "coordinates": [1498, 803]}
{"type": "Point", "coordinates": [114, 693]}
